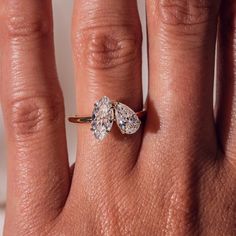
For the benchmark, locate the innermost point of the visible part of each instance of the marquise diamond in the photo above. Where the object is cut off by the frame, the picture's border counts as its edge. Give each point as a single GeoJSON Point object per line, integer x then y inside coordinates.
{"type": "Point", "coordinates": [102, 118]}
{"type": "Point", "coordinates": [126, 119]}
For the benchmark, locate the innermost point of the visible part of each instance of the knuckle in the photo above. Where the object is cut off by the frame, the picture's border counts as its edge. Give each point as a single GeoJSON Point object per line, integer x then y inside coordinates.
{"type": "Point", "coordinates": [33, 115]}
{"type": "Point", "coordinates": [106, 49]}
{"type": "Point", "coordinates": [20, 27]}
{"type": "Point", "coordinates": [187, 12]}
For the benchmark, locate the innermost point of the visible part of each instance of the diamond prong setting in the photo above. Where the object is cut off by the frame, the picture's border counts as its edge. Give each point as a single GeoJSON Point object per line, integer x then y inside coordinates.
{"type": "Point", "coordinates": [126, 119]}
{"type": "Point", "coordinates": [106, 112]}
{"type": "Point", "coordinates": [102, 118]}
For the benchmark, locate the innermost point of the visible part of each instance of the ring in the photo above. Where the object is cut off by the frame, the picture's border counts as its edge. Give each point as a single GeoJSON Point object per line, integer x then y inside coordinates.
{"type": "Point", "coordinates": [106, 112]}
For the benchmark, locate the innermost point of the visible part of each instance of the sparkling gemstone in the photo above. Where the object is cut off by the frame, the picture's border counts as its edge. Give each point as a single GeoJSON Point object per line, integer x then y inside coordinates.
{"type": "Point", "coordinates": [102, 118]}
{"type": "Point", "coordinates": [126, 119]}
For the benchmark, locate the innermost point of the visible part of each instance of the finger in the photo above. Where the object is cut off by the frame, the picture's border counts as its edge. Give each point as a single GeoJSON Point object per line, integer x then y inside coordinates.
{"type": "Point", "coordinates": [107, 47]}
{"type": "Point", "coordinates": [38, 172]}
{"type": "Point", "coordinates": [226, 100]}
{"type": "Point", "coordinates": [182, 36]}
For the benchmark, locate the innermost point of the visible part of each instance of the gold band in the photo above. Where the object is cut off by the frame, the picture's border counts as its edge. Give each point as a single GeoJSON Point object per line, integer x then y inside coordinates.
{"type": "Point", "coordinates": [82, 120]}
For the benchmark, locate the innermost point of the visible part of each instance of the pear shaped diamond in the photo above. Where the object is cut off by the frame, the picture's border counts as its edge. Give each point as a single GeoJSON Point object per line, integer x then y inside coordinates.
{"type": "Point", "coordinates": [102, 118]}
{"type": "Point", "coordinates": [126, 119]}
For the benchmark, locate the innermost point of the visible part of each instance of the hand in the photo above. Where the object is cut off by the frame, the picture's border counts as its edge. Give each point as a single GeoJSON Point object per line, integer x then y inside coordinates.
{"type": "Point", "coordinates": [177, 176]}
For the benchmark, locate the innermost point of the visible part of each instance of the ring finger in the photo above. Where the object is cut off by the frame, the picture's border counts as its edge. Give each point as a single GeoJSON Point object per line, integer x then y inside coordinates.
{"type": "Point", "coordinates": [107, 48]}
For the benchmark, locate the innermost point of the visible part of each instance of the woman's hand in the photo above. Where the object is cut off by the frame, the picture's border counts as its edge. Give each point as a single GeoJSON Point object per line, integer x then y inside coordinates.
{"type": "Point", "coordinates": [177, 176]}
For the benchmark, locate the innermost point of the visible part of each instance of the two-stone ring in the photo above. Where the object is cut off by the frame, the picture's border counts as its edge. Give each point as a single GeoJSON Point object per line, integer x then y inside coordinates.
{"type": "Point", "coordinates": [106, 112]}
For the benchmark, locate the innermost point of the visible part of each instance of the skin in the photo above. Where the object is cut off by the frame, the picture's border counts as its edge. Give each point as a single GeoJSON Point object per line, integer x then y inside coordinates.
{"type": "Point", "coordinates": [176, 176]}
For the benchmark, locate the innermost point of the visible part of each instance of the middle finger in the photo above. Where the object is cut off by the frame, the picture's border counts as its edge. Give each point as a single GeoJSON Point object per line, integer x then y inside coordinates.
{"type": "Point", "coordinates": [182, 36]}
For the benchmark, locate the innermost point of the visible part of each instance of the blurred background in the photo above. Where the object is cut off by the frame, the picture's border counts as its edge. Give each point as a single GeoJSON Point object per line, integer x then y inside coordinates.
{"type": "Point", "coordinates": [62, 22]}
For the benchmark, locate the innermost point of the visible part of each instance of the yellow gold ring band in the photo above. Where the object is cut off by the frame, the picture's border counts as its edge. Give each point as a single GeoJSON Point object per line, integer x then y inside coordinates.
{"type": "Point", "coordinates": [88, 119]}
